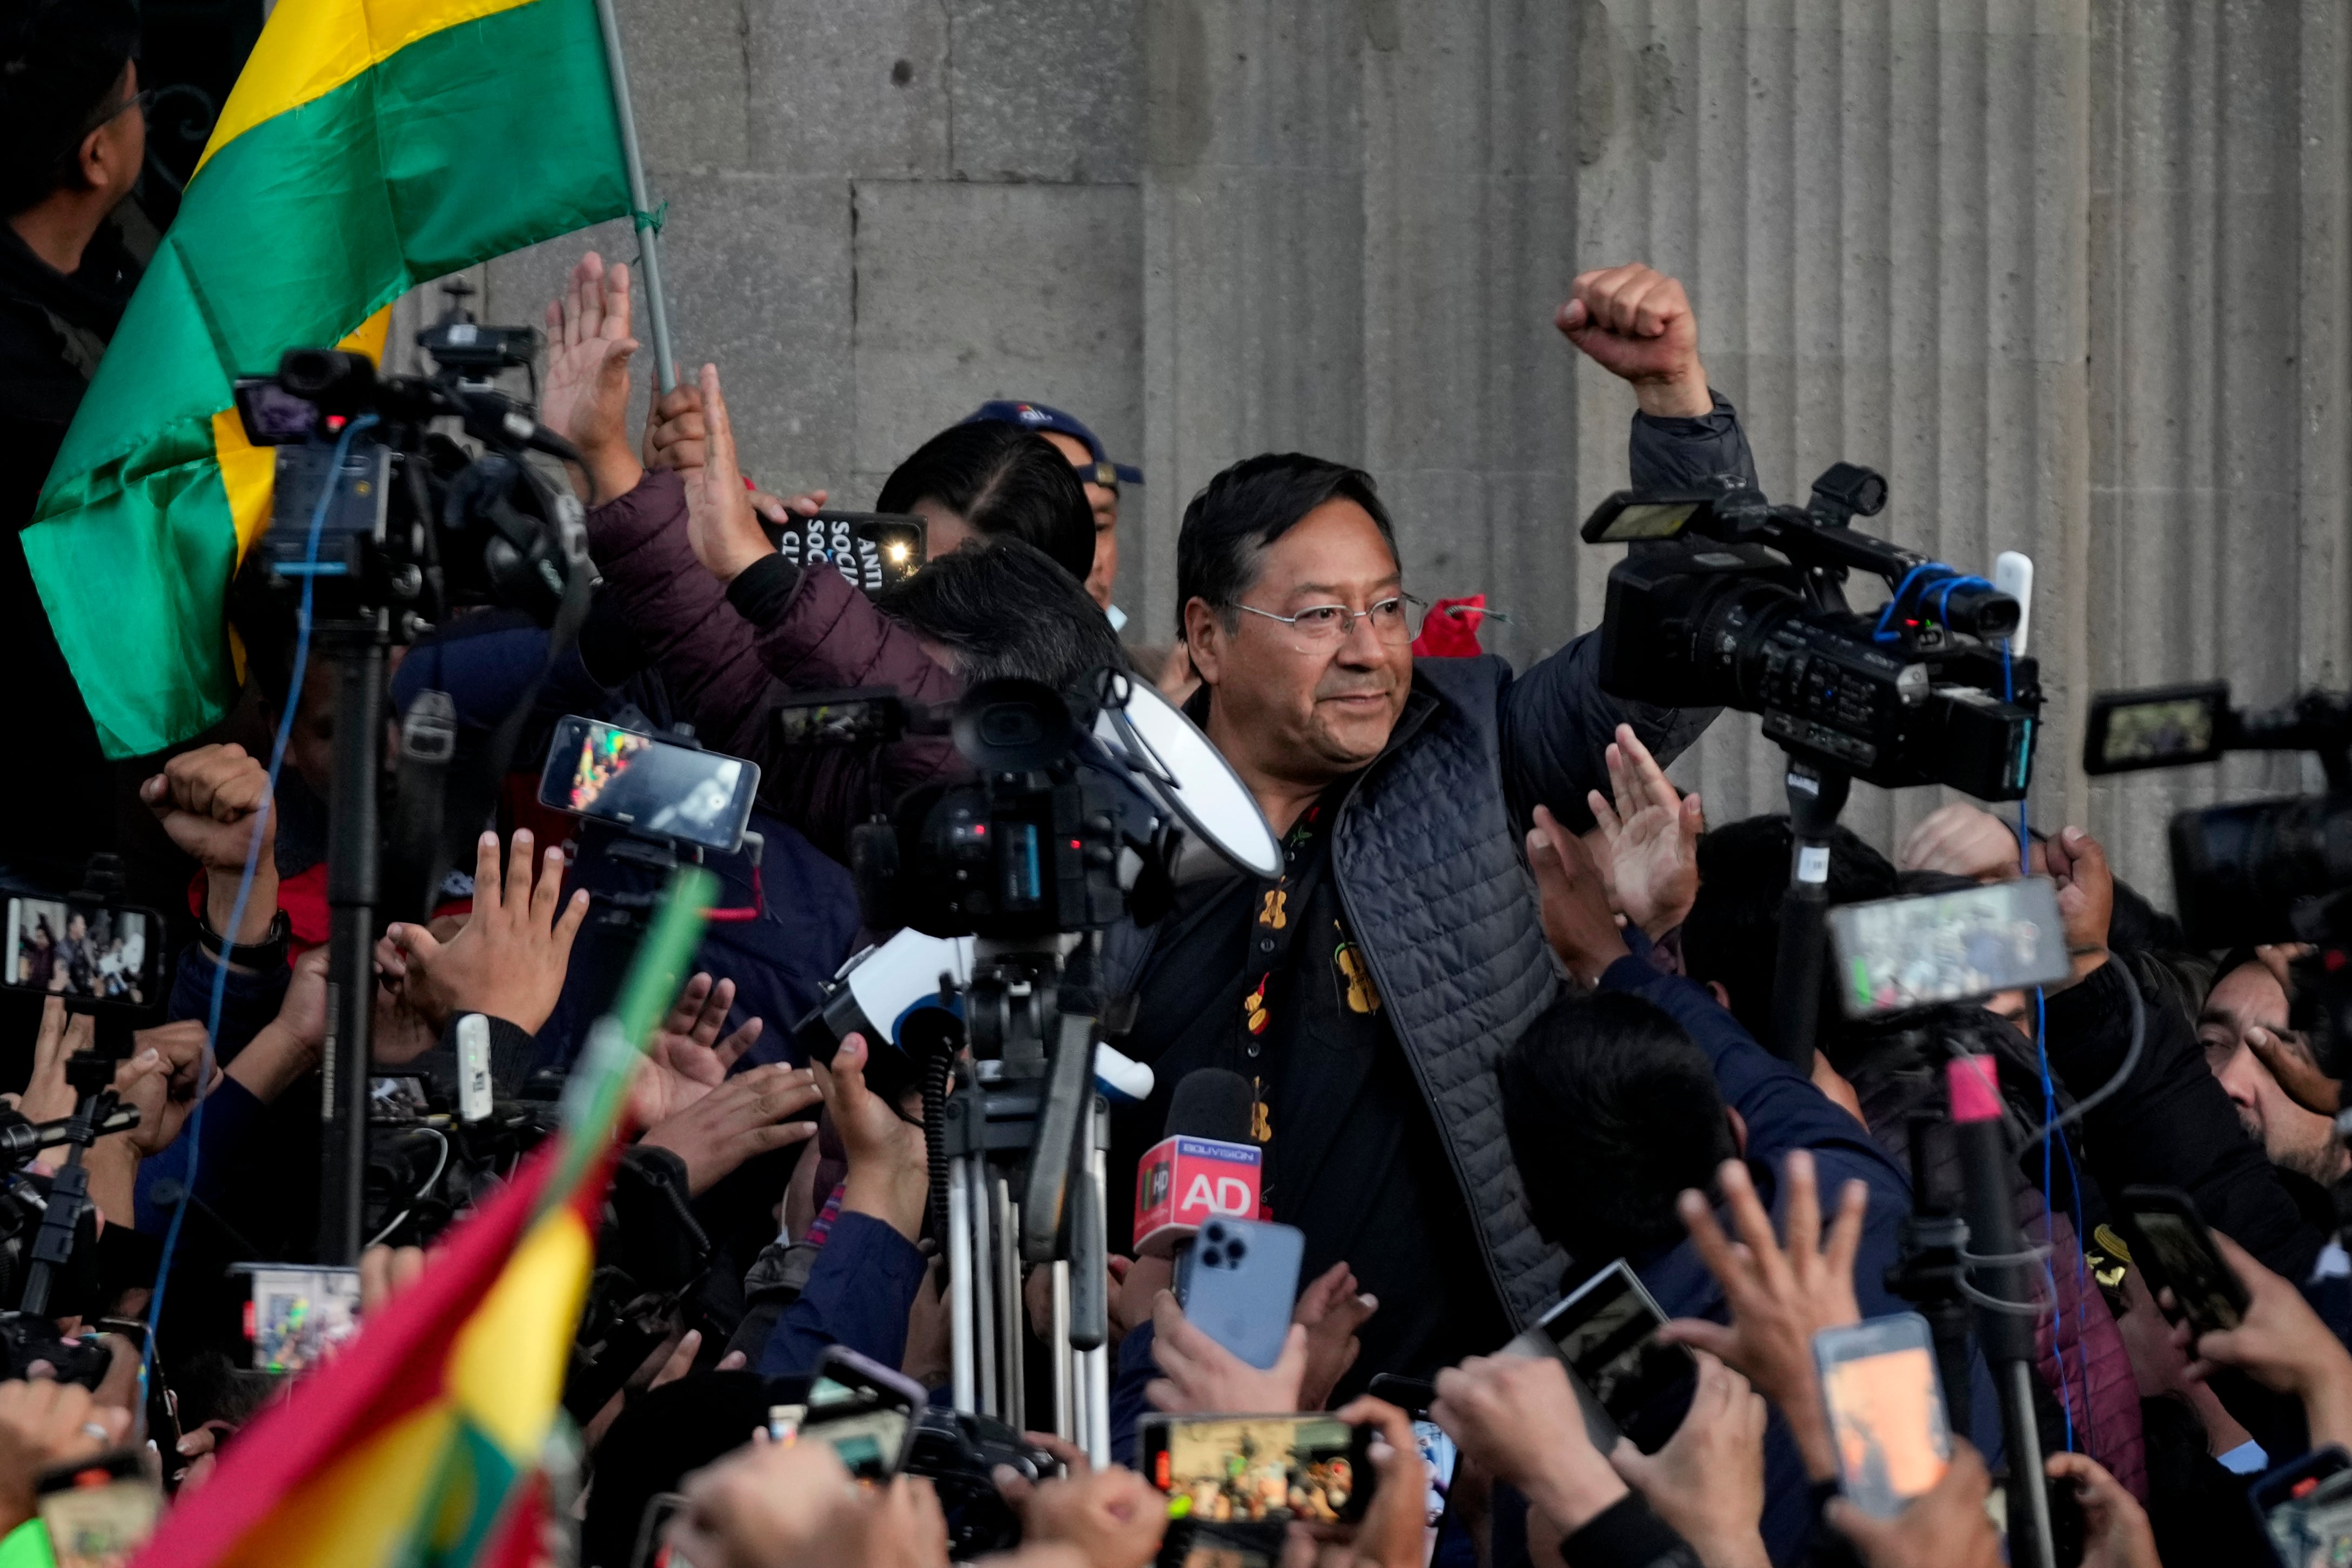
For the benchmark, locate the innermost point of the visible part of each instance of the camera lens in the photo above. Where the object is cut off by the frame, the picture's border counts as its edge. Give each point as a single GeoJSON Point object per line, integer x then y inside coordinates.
{"type": "Point", "coordinates": [1213, 1258]}
{"type": "Point", "coordinates": [1236, 1250]}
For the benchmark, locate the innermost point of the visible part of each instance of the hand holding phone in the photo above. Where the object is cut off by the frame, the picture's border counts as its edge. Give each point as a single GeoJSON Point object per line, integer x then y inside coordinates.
{"type": "Point", "coordinates": [652, 787]}
{"type": "Point", "coordinates": [1199, 1374]}
{"type": "Point", "coordinates": [1518, 1418]}
{"type": "Point", "coordinates": [1606, 1333]}
{"type": "Point", "coordinates": [96, 954]}
{"type": "Point", "coordinates": [1885, 1406]}
{"type": "Point", "coordinates": [1239, 1283]}
{"type": "Point", "coordinates": [1260, 1470]}
{"type": "Point", "coordinates": [865, 1411]}
{"type": "Point", "coordinates": [2174, 1249]}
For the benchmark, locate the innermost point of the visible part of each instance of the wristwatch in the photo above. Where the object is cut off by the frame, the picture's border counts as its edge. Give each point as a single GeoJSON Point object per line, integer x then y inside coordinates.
{"type": "Point", "coordinates": [267, 953]}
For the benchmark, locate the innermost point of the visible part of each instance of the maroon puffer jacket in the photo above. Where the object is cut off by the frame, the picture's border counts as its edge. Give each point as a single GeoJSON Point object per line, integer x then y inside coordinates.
{"type": "Point", "coordinates": [729, 675]}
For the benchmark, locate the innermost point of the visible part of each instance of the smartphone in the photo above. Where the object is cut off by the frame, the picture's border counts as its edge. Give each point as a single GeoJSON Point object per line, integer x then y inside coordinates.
{"type": "Point", "coordinates": [869, 716]}
{"type": "Point", "coordinates": [1894, 954]}
{"type": "Point", "coordinates": [653, 1552]}
{"type": "Point", "coordinates": [865, 1410]}
{"type": "Point", "coordinates": [872, 549]}
{"type": "Point", "coordinates": [99, 1511]}
{"type": "Point", "coordinates": [1259, 1469]}
{"type": "Point", "coordinates": [2164, 727]}
{"type": "Point", "coordinates": [1607, 1333]}
{"type": "Point", "coordinates": [295, 1315]}
{"type": "Point", "coordinates": [1241, 1282]}
{"type": "Point", "coordinates": [2305, 1508]}
{"type": "Point", "coordinates": [1413, 1395]}
{"type": "Point", "coordinates": [93, 952]}
{"type": "Point", "coordinates": [1886, 1409]}
{"type": "Point", "coordinates": [655, 788]}
{"type": "Point", "coordinates": [1202, 1543]}
{"type": "Point", "coordinates": [2172, 1247]}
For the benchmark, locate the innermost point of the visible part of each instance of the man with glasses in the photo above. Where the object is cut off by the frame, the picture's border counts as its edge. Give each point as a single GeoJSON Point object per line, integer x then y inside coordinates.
{"type": "Point", "coordinates": [1368, 993]}
{"type": "Point", "coordinates": [72, 120]}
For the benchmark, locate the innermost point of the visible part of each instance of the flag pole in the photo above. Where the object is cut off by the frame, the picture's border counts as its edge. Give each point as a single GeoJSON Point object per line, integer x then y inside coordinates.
{"type": "Point", "coordinates": [640, 206]}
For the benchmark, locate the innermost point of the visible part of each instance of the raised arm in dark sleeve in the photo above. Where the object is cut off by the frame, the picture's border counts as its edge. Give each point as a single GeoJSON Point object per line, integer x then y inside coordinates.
{"type": "Point", "coordinates": [1556, 721]}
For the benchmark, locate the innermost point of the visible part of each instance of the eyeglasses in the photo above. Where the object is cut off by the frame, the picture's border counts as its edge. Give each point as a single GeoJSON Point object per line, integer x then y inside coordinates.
{"type": "Point", "coordinates": [1391, 619]}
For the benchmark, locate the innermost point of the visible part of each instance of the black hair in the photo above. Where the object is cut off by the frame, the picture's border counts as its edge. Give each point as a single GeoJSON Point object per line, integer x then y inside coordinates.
{"type": "Point", "coordinates": [1732, 934]}
{"type": "Point", "coordinates": [1006, 609]}
{"type": "Point", "coordinates": [1004, 481]}
{"type": "Point", "coordinates": [1612, 1111]}
{"type": "Point", "coordinates": [1246, 509]}
{"type": "Point", "coordinates": [59, 63]}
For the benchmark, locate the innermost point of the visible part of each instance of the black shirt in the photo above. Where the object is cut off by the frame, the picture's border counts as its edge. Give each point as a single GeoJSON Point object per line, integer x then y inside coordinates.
{"type": "Point", "coordinates": [1354, 1160]}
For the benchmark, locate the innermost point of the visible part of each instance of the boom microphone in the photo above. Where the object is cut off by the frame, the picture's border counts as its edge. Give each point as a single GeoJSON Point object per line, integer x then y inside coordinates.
{"type": "Point", "coordinates": [1205, 1166]}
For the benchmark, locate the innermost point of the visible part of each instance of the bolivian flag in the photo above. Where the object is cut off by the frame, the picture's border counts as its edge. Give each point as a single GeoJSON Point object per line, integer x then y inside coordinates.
{"type": "Point", "coordinates": [419, 1446]}
{"type": "Point", "coordinates": [369, 145]}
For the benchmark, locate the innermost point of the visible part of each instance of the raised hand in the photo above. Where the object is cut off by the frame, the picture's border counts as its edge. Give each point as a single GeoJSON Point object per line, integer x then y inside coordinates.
{"type": "Point", "coordinates": [1963, 840]}
{"type": "Point", "coordinates": [1652, 835]}
{"type": "Point", "coordinates": [2087, 897]}
{"type": "Point", "coordinates": [1203, 1375]}
{"type": "Point", "coordinates": [509, 960]}
{"type": "Point", "coordinates": [289, 1046]}
{"type": "Point", "coordinates": [1517, 1419]}
{"type": "Point", "coordinates": [2283, 1344]}
{"type": "Point", "coordinates": [2115, 1532]}
{"type": "Point", "coordinates": [47, 1095]}
{"type": "Point", "coordinates": [889, 1165]}
{"type": "Point", "coordinates": [1636, 323]}
{"type": "Point", "coordinates": [720, 524]}
{"type": "Point", "coordinates": [586, 398]}
{"type": "Point", "coordinates": [212, 801]}
{"type": "Point", "coordinates": [686, 1059]}
{"type": "Point", "coordinates": [1330, 1309]}
{"type": "Point", "coordinates": [1708, 1482]}
{"type": "Point", "coordinates": [744, 1117]}
{"type": "Point", "coordinates": [1779, 1295]}
{"type": "Point", "coordinates": [159, 1081]}
{"type": "Point", "coordinates": [1577, 920]}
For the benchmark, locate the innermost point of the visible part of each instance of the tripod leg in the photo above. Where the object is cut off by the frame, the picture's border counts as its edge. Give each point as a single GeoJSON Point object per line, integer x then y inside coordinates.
{"type": "Point", "coordinates": [1057, 1345]}
{"type": "Point", "coordinates": [1014, 1368]}
{"type": "Point", "coordinates": [963, 1293]}
{"type": "Point", "coordinates": [985, 1263]}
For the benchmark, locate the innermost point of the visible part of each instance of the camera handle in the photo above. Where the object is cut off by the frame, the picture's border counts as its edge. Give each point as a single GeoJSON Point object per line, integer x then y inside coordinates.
{"type": "Point", "coordinates": [91, 1074]}
{"type": "Point", "coordinates": [1816, 795]}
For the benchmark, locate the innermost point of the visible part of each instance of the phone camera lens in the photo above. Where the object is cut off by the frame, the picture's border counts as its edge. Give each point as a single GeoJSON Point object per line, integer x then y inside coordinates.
{"type": "Point", "coordinates": [1214, 1232]}
{"type": "Point", "coordinates": [1213, 1258]}
{"type": "Point", "coordinates": [1236, 1250]}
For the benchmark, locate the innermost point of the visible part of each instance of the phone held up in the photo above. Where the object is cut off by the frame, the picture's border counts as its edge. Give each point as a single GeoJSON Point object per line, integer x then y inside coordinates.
{"type": "Point", "coordinates": [862, 1408]}
{"type": "Point", "coordinates": [873, 550]}
{"type": "Point", "coordinates": [1628, 1381]}
{"type": "Point", "coordinates": [98, 954]}
{"type": "Point", "coordinates": [1896, 955]}
{"type": "Point", "coordinates": [1238, 1283]}
{"type": "Point", "coordinates": [2172, 1248]}
{"type": "Point", "coordinates": [652, 787]}
{"type": "Point", "coordinates": [1885, 1410]}
{"type": "Point", "coordinates": [1261, 1470]}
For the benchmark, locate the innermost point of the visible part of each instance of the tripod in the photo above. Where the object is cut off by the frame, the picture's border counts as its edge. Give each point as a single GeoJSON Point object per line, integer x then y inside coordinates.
{"type": "Point", "coordinates": [91, 1074]}
{"type": "Point", "coordinates": [355, 648]}
{"type": "Point", "coordinates": [1025, 1141]}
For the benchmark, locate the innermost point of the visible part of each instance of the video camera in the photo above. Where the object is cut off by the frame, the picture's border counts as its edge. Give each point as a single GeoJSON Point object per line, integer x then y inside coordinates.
{"type": "Point", "coordinates": [1749, 611]}
{"type": "Point", "coordinates": [2261, 870]}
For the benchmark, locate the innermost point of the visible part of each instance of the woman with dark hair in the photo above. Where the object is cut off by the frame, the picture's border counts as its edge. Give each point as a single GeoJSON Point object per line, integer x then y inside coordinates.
{"type": "Point", "coordinates": [994, 480]}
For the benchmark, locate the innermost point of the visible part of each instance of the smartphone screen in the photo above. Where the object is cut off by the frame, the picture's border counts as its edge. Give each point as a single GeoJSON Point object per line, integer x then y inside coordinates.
{"type": "Point", "coordinates": [1260, 1470]}
{"type": "Point", "coordinates": [2180, 1254]}
{"type": "Point", "coordinates": [1885, 1410]}
{"type": "Point", "coordinates": [100, 1511]}
{"type": "Point", "coordinates": [2306, 1510]}
{"type": "Point", "coordinates": [1896, 955]}
{"type": "Point", "coordinates": [872, 549]}
{"type": "Point", "coordinates": [101, 952]}
{"type": "Point", "coordinates": [1607, 1334]}
{"type": "Point", "coordinates": [865, 1418]}
{"type": "Point", "coordinates": [648, 785]}
{"type": "Point", "coordinates": [296, 1315]}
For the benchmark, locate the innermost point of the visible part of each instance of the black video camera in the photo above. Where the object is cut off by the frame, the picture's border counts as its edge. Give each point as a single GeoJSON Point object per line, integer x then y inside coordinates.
{"type": "Point", "coordinates": [2261, 870]}
{"type": "Point", "coordinates": [1727, 600]}
{"type": "Point", "coordinates": [408, 522]}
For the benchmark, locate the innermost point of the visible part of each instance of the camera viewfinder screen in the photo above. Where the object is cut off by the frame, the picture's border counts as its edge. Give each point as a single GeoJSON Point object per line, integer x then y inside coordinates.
{"type": "Point", "coordinates": [1887, 1415]}
{"type": "Point", "coordinates": [1900, 954]}
{"type": "Point", "coordinates": [866, 1427]}
{"type": "Point", "coordinates": [1648, 519]}
{"type": "Point", "coordinates": [78, 950]}
{"type": "Point", "coordinates": [652, 787]}
{"type": "Point", "coordinates": [272, 416]}
{"type": "Point", "coordinates": [2178, 730]}
{"type": "Point", "coordinates": [848, 724]}
{"type": "Point", "coordinates": [1258, 1470]}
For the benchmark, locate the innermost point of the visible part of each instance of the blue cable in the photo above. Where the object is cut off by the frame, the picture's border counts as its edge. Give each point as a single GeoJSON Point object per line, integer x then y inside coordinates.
{"type": "Point", "coordinates": [1884, 630]}
{"type": "Point", "coordinates": [194, 1132]}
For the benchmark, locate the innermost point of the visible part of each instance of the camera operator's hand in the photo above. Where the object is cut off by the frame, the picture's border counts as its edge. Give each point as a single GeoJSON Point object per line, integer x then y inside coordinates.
{"type": "Point", "coordinates": [509, 960]}
{"type": "Point", "coordinates": [1635, 322]}
{"type": "Point", "coordinates": [212, 801]}
{"type": "Point", "coordinates": [1944, 1527]}
{"type": "Point", "coordinates": [1330, 1309]}
{"type": "Point", "coordinates": [45, 1423]}
{"type": "Point", "coordinates": [1652, 833]}
{"type": "Point", "coordinates": [686, 1059]}
{"type": "Point", "coordinates": [720, 524]}
{"type": "Point", "coordinates": [890, 1166]}
{"type": "Point", "coordinates": [2115, 1532]}
{"type": "Point", "coordinates": [1517, 1417]}
{"type": "Point", "coordinates": [1779, 1295]}
{"type": "Point", "coordinates": [1708, 1482]}
{"type": "Point", "coordinates": [2288, 1057]}
{"type": "Point", "coordinates": [1963, 840]}
{"type": "Point", "coordinates": [1393, 1532]}
{"type": "Point", "coordinates": [586, 397]}
{"type": "Point", "coordinates": [1577, 920]}
{"type": "Point", "coordinates": [2282, 1344]}
{"type": "Point", "coordinates": [741, 1118]}
{"type": "Point", "coordinates": [1202, 1375]}
{"type": "Point", "coordinates": [1114, 1517]}
{"type": "Point", "coordinates": [2087, 897]}
{"type": "Point", "coordinates": [47, 1095]}
{"type": "Point", "coordinates": [288, 1048]}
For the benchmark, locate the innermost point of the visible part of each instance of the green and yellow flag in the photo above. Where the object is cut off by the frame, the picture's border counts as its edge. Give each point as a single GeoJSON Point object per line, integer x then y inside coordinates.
{"type": "Point", "coordinates": [369, 145]}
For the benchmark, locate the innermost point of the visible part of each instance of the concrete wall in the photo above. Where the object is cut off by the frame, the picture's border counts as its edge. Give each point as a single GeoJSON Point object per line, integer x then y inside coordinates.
{"type": "Point", "coordinates": [2070, 272]}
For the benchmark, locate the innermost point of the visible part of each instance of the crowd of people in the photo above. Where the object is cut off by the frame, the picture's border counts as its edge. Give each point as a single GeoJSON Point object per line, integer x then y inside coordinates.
{"type": "Point", "coordinates": [1518, 1043]}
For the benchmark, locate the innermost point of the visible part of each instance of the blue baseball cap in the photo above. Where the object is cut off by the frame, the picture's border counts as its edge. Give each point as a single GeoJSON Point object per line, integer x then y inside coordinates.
{"type": "Point", "coordinates": [1037, 416]}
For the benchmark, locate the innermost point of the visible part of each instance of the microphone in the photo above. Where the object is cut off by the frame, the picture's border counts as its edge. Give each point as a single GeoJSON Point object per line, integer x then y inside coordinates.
{"type": "Point", "coordinates": [1204, 1167]}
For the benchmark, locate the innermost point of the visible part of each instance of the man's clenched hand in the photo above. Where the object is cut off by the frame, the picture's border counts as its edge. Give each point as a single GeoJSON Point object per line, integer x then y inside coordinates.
{"type": "Point", "coordinates": [212, 801]}
{"type": "Point", "coordinates": [1636, 323]}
